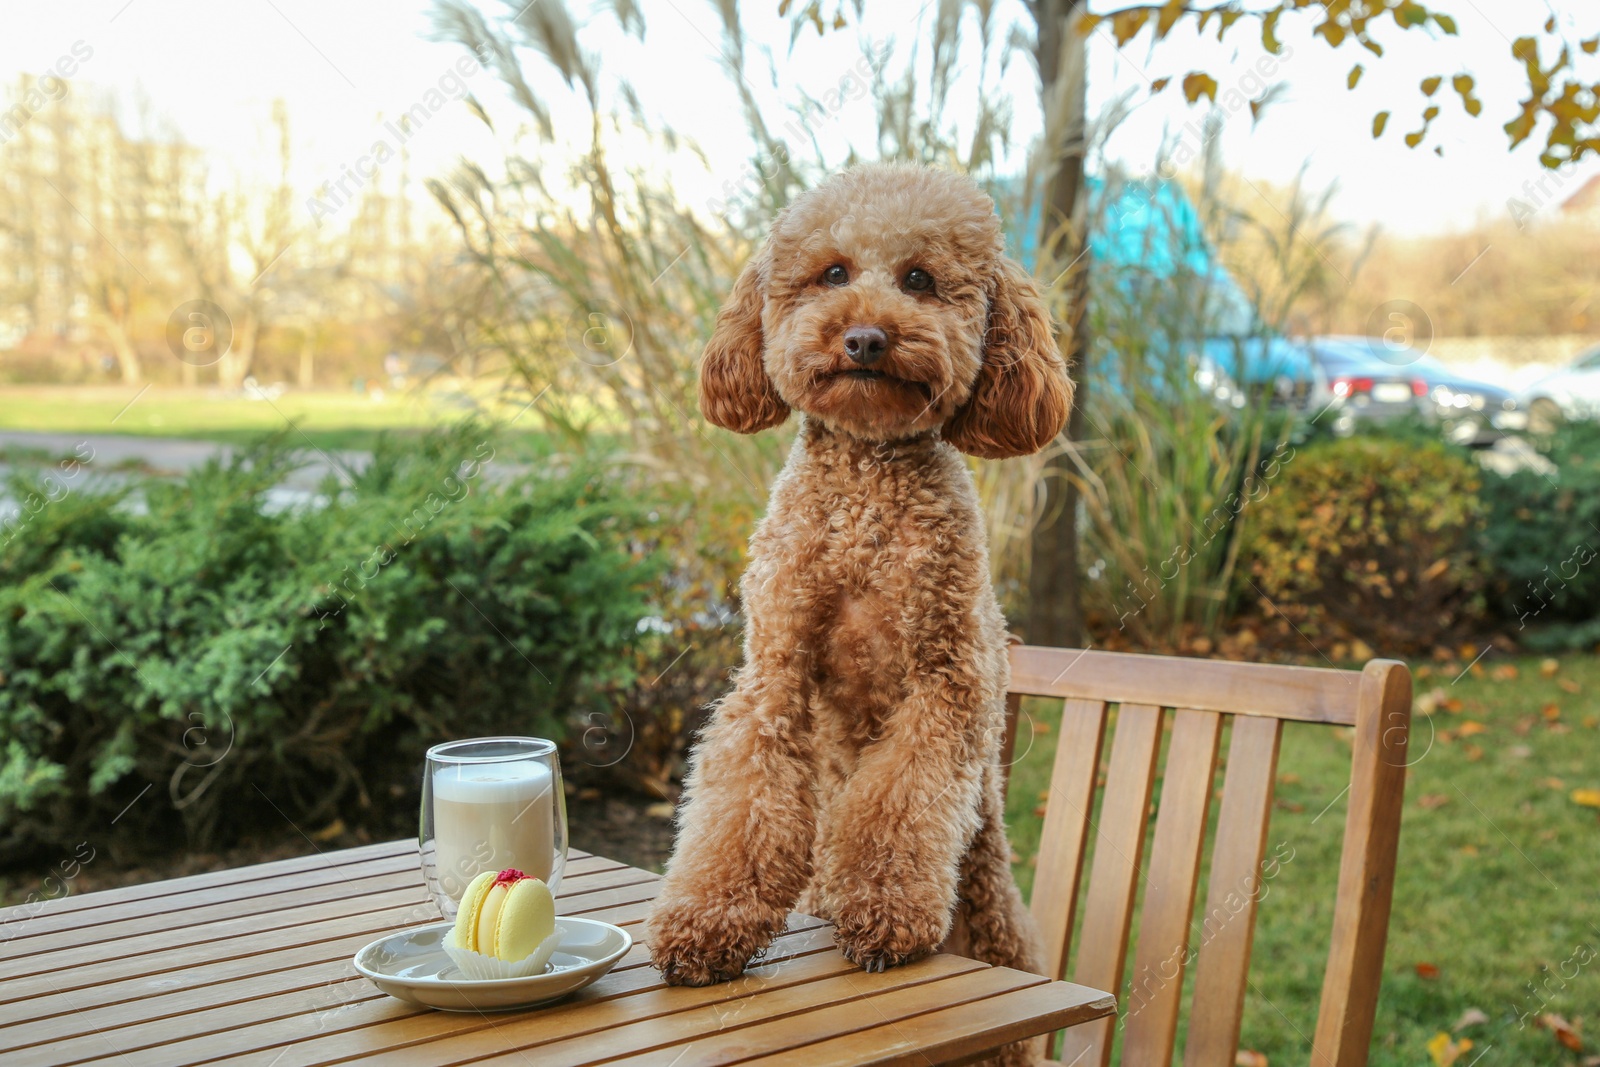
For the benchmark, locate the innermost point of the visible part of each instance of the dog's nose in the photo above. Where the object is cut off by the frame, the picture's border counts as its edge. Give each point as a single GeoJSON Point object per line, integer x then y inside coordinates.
{"type": "Point", "coordinates": [865, 344]}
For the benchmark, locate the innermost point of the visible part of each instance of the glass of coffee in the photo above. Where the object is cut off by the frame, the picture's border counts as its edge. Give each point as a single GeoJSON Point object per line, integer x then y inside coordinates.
{"type": "Point", "coordinates": [487, 804]}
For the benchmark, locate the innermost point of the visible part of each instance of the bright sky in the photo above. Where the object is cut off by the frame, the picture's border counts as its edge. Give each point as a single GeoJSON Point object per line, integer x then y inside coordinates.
{"type": "Point", "coordinates": [212, 69]}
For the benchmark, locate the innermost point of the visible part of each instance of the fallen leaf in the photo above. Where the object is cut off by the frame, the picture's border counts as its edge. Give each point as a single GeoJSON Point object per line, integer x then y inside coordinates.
{"type": "Point", "coordinates": [1041, 727]}
{"type": "Point", "coordinates": [1591, 722]}
{"type": "Point", "coordinates": [1288, 779]}
{"type": "Point", "coordinates": [1470, 850]}
{"type": "Point", "coordinates": [1427, 970]}
{"type": "Point", "coordinates": [1549, 667]}
{"type": "Point", "coordinates": [1506, 672]}
{"type": "Point", "coordinates": [1551, 783]}
{"type": "Point", "coordinates": [1569, 685]}
{"type": "Point", "coordinates": [1429, 801]}
{"type": "Point", "coordinates": [1470, 728]}
{"type": "Point", "coordinates": [1429, 702]}
{"type": "Point", "coordinates": [1589, 798]}
{"type": "Point", "coordinates": [1561, 1030]}
{"type": "Point", "coordinates": [329, 832]}
{"type": "Point", "coordinates": [1247, 1057]}
{"type": "Point", "coordinates": [1470, 1017]}
{"type": "Point", "coordinates": [1038, 812]}
{"type": "Point", "coordinates": [1551, 712]}
{"type": "Point", "coordinates": [1522, 726]}
{"type": "Point", "coordinates": [1472, 752]}
{"type": "Point", "coordinates": [1444, 1051]}
{"type": "Point", "coordinates": [1451, 705]}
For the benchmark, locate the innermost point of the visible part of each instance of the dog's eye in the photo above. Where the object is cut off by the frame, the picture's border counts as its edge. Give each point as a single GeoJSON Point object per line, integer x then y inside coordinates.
{"type": "Point", "coordinates": [836, 275]}
{"type": "Point", "coordinates": [919, 281]}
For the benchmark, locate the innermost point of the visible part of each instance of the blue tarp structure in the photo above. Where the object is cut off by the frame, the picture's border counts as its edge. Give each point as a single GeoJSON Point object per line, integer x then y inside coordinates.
{"type": "Point", "coordinates": [1148, 231]}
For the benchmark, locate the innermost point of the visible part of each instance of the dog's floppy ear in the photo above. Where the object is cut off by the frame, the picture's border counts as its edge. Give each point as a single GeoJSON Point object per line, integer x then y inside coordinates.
{"type": "Point", "coordinates": [1022, 395]}
{"type": "Point", "coordinates": [735, 392]}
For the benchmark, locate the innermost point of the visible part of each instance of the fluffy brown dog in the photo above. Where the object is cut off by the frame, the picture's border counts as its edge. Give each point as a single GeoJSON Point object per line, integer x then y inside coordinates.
{"type": "Point", "coordinates": [854, 769]}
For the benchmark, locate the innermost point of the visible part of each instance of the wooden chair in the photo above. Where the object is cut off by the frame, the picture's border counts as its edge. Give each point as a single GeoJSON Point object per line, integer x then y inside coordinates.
{"type": "Point", "coordinates": [1194, 697]}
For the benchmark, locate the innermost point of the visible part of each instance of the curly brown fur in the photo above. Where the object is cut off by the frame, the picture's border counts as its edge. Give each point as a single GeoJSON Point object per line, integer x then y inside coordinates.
{"type": "Point", "coordinates": [854, 768]}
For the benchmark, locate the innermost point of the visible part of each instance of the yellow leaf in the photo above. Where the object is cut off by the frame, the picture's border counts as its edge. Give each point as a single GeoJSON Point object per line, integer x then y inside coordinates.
{"type": "Point", "coordinates": [1355, 76]}
{"type": "Point", "coordinates": [1591, 46]}
{"type": "Point", "coordinates": [1589, 798]}
{"type": "Point", "coordinates": [1158, 85]}
{"type": "Point", "coordinates": [1169, 15]}
{"type": "Point", "coordinates": [1088, 23]}
{"type": "Point", "coordinates": [1470, 728]}
{"type": "Point", "coordinates": [1196, 85]}
{"type": "Point", "coordinates": [1379, 121]}
{"type": "Point", "coordinates": [1125, 25]}
{"type": "Point", "coordinates": [1444, 1051]}
{"type": "Point", "coordinates": [1430, 85]}
{"type": "Point", "coordinates": [1269, 25]}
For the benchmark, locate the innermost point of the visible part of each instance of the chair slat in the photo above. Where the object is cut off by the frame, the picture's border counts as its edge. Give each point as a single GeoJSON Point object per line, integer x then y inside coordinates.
{"type": "Point", "coordinates": [1066, 829]}
{"type": "Point", "coordinates": [1151, 1012]}
{"type": "Point", "coordinates": [1227, 928]}
{"type": "Point", "coordinates": [1113, 881]}
{"type": "Point", "coordinates": [1008, 744]}
{"type": "Point", "coordinates": [1311, 694]}
{"type": "Point", "coordinates": [1366, 868]}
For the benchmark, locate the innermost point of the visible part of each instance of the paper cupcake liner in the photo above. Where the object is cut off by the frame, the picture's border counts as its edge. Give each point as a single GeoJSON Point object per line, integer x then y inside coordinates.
{"type": "Point", "coordinates": [478, 966]}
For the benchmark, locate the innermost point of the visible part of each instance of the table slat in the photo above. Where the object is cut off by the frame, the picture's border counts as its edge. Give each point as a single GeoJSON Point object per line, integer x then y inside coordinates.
{"type": "Point", "coordinates": [865, 1008]}
{"type": "Point", "coordinates": [956, 1034]}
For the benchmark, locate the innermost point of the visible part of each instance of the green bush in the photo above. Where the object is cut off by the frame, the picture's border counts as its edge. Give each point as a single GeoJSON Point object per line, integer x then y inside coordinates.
{"type": "Point", "coordinates": [1541, 541]}
{"type": "Point", "coordinates": [253, 662]}
{"type": "Point", "coordinates": [1371, 539]}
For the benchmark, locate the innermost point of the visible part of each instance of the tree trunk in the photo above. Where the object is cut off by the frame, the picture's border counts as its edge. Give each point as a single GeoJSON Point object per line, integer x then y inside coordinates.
{"type": "Point", "coordinates": [307, 355]}
{"type": "Point", "coordinates": [1055, 602]}
{"type": "Point", "coordinates": [127, 355]}
{"type": "Point", "coordinates": [235, 366]}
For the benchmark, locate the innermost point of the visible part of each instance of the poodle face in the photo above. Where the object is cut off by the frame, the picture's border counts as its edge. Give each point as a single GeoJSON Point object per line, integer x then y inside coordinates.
{"type": "Point", "coordinates": [883, 306]}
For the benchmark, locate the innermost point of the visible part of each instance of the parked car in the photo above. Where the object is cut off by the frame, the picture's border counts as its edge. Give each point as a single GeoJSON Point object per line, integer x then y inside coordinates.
{"type": "Point", "coordinates": [1570, 393]}
{"type": "Point", "coordinates": [1365, 386]}
{"type": "Point", "coordinates": [1357, 387]}
{"type": "Point", "coordinates": [1471, 412]}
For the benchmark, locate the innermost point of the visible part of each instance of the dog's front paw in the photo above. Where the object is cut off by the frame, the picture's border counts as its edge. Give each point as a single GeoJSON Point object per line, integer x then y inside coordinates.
{"type": "Point", "coordinates": [886, 930]}
{"type": "Point", "coordinates": [695, 942]}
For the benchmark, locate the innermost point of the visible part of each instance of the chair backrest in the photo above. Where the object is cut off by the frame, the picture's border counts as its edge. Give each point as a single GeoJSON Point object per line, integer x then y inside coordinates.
{"type": "Point", "coordinates": [1197, 696]}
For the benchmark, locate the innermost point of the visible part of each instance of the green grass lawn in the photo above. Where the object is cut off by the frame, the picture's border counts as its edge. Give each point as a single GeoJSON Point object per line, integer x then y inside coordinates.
{"type": "Point", "coordinates": [328, 420]}
{"type": "Point", "coordinates": [1499, 869]}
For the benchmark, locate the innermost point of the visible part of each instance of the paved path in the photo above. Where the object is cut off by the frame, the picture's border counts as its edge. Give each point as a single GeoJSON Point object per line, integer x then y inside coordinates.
{"type": "Point", "coordinates": [109, 456]}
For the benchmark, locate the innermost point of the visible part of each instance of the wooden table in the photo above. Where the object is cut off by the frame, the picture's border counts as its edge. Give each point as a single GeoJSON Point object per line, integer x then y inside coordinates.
{"type": "Point", "coordinates": [253, 966]}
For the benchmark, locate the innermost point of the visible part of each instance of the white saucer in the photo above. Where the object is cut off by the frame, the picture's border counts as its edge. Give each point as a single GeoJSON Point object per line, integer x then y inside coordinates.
{"type": "Point", "coordinates": [413, 966]}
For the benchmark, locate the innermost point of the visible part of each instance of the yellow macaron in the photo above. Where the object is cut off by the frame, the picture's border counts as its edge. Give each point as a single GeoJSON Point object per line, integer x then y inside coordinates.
{"type": "Point", "coordinates": [505, 915]}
